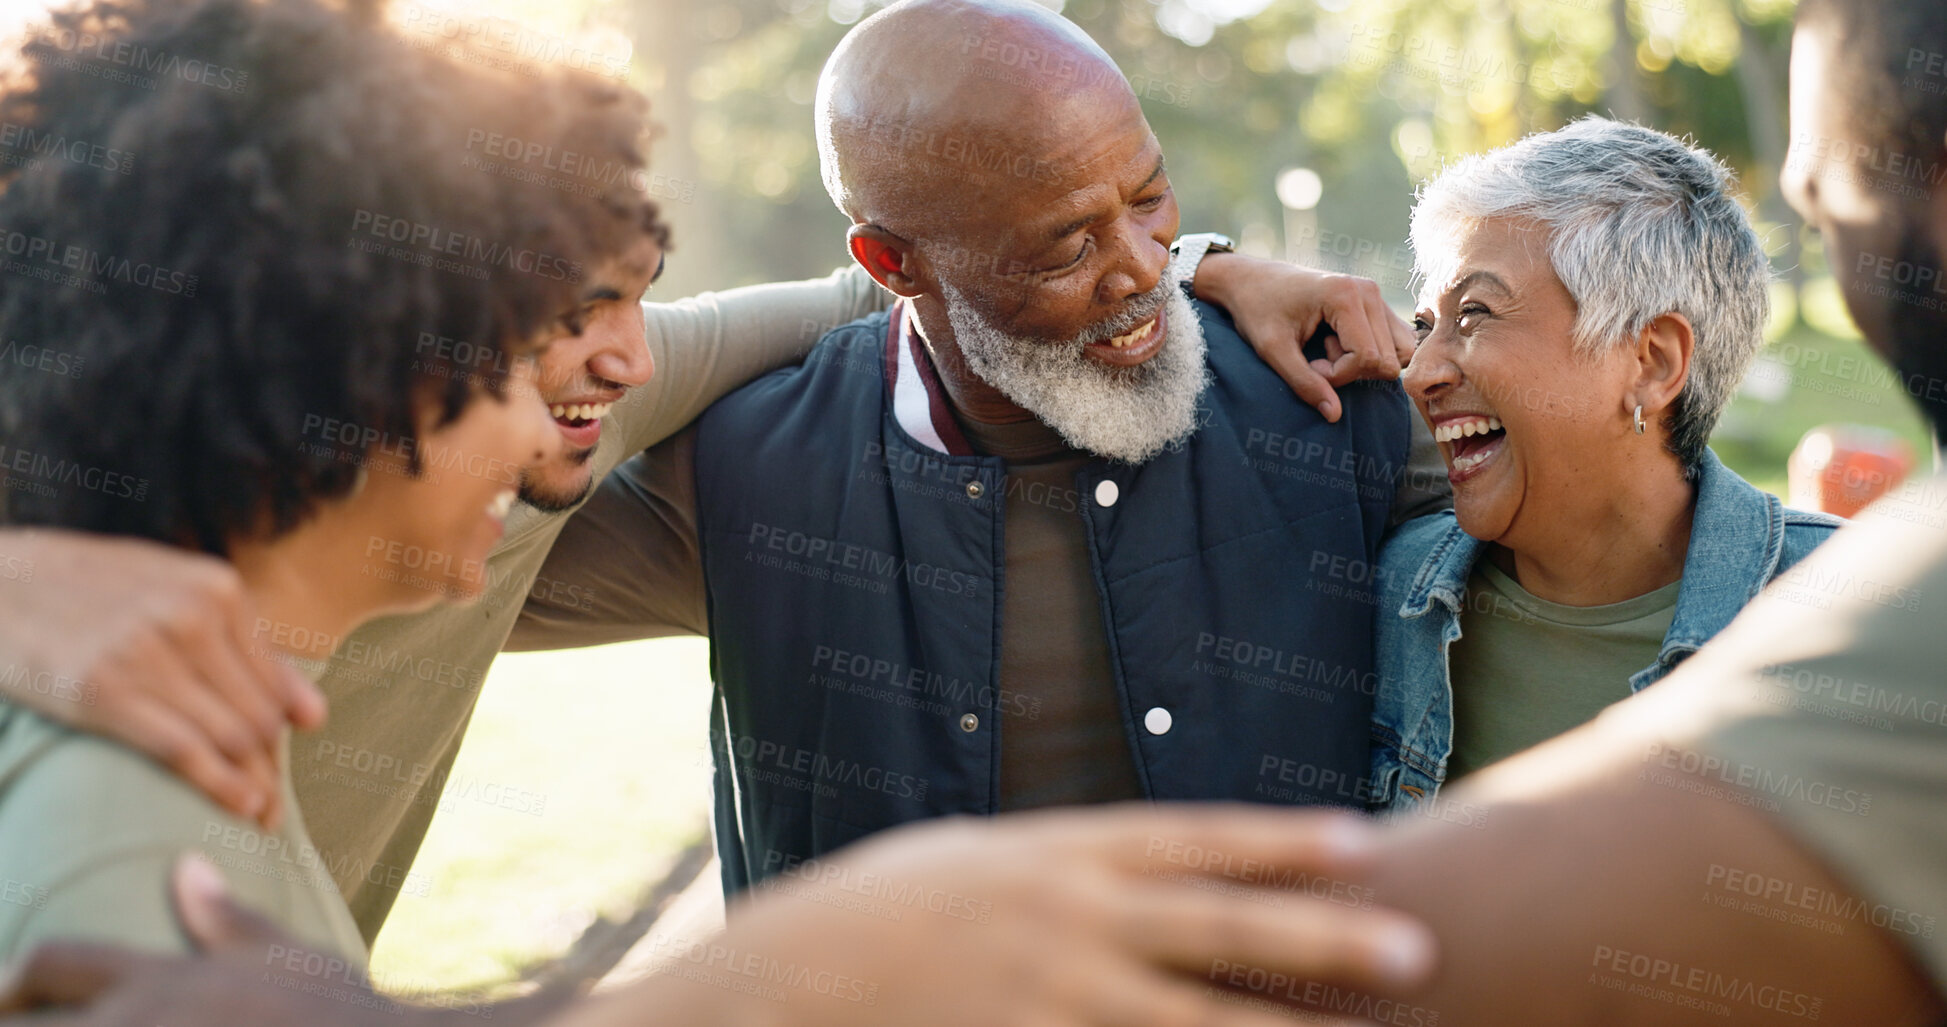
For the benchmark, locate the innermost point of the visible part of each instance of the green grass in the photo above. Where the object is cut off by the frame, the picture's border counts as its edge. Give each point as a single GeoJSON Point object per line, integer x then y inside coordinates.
{"type": "Point", "coordinates": [610, 746]}
{"type": "Point", "coordinates": [1830, 381]}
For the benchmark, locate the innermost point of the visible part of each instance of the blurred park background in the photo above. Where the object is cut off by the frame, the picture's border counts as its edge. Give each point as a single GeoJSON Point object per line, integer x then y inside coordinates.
{"type": "Point", "coordinates": [1300, 127]}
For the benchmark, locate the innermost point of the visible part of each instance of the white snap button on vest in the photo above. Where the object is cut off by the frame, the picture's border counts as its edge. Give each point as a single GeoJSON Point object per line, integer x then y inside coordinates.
{"type": "Point", "coordinates": [1158, 720]}
{"type": "Point", "coordinates": [969, 723]}
{"type": "Point", "coordinates": [1106, 493]}
{"type": "Point", "coordinates": [975, 490]}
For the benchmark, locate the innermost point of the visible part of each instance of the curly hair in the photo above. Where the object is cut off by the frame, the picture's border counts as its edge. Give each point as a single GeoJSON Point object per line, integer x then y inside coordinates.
{"type": "Point", "coordinates": [295, 208]}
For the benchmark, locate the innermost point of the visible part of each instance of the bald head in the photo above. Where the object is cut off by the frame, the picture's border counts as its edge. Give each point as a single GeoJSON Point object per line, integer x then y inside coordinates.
{"type": "Point", "coordinates": [928, 102]}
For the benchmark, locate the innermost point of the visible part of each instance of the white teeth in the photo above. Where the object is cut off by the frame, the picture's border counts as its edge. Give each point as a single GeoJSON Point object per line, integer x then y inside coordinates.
{"type": "Point", "coordinates": [1471, 460]}
{"type": "Point", "coordinates": [580, 411]}
{"type": "Point", "coordinates": [1127, 340]}
{"type": "Point", "coordinates": [503, 502]}
{"type": "Point", "coordinates": [1462, 429]}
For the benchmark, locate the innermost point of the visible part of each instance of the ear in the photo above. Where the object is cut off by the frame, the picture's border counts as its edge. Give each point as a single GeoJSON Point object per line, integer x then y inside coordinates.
{"type": "Point", "coordinates": [1662, 362]}
{"type": "Point", "coordinates": [886, 257]}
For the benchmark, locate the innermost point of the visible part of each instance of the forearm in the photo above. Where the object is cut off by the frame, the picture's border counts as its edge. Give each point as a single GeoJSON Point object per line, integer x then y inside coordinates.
{"type": "Point", "coordinates": [708, 345]}
{"type": "Point", "coordinates": [1213, 277]}
{"type": "Point", "coordinates": [670, 1000]}
{"type": "Point", "coordinates": [1569, 886]}
{"type": "Point", "coordinates": [627, 565]}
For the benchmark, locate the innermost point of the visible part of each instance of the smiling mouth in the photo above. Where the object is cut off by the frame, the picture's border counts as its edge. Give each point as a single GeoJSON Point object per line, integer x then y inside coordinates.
{"type": "Point", "coordinates": [1132, 347]}
{"type": "Point", "coordinates": [1469, 442]}
{"type": "Point", "coordinates": [578, 415]}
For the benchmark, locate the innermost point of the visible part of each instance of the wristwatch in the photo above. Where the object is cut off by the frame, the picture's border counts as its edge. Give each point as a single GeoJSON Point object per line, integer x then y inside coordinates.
{"type": "Point", "coordinates": [1188, 251]}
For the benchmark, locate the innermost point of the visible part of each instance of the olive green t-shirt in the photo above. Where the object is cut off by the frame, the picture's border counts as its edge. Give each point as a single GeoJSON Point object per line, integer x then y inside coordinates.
{"type": "Point", "coordinates": [1525, 669]}
{"type": "Point", "coordinates": [1825, 702]}
{"type": "Point", "coordinates": [90, 831]}
{"type": "Point", "coordinates": [1064, 741]}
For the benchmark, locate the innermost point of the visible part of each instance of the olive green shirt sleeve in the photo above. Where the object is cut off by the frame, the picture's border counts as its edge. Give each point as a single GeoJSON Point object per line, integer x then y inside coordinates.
{"type": "Point", "coordinates": [708, 345]}
{"type": "Point", "coordinates": [1825, 705]}
{"type": "Point", "coordinates": [627, 566]}
{"type": "Point", "coordinates": [89, 833]}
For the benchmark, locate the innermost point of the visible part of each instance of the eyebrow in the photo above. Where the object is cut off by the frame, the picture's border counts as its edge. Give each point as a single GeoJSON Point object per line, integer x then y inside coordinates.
{"type": "Point", "coordinates": [1083, 222]}
{"type": "Point", "coordinates": [601, 293]}
{"type": "Point", "coordinates": [1481, 276]}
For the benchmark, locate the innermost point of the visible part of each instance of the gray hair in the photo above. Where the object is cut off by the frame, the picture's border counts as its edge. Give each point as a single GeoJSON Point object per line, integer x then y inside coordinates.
{"type": "Point", "coordinates": [1640, 225]}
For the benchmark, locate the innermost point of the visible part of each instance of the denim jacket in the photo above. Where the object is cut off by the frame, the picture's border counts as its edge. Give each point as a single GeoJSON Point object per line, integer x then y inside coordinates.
{"type": "Point", "coordinates": [1740, 539]}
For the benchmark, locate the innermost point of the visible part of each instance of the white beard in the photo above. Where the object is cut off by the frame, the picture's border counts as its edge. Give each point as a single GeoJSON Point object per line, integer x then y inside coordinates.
{"type": "Point", "coordinates": [1122, 413]}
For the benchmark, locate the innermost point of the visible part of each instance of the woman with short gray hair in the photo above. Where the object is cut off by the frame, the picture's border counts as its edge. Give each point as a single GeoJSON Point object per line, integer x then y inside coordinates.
{"type": "Point", "coordinates": [1590, 299]}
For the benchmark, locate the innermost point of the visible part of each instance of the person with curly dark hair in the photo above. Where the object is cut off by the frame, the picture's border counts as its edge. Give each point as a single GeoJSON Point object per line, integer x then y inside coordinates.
{"type": "Point", "coordinates": [249, 310]}
{"type": "Point", "coordinates": [313, 332]}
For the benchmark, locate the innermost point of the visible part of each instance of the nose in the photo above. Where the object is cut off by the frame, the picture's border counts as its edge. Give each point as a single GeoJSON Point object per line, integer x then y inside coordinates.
{"type": "Point", "coordinates": [1431, 370]}
{"type": "Point", "coordinates": [622, 347]}
{"type": "Point", "coordinates": [1140, 261]}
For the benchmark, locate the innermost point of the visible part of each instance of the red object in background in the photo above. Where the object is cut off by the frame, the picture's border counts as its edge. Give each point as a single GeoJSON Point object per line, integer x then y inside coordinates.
{"type": "Point", "coordinates": [1840, 468]}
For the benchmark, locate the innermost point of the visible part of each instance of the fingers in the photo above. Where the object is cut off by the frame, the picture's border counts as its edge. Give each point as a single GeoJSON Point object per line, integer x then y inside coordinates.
{"type": "Point", "coordinates": [1123, 993]}
{"type": "Point", "coordinates": [294, 697]}
{"type": "Point", "coordinates": [1138, 996]}
{"type": "Point", "coordinates": [1405, 341]}
{"type": "Point", "coordinates": [210, 915]}
{"type": "Point", "coordinates": [1213, 838]}
{"type": "Point", "coordinates": [259, 703]}
{"type": "Point", "coordinates": [1245, 936]}
{"type": "Point", "coordinates": [1385, 326]}
{"type": "Point", "coordinates": [63, 973]}
{"type": "Point", "coordinates": [1305, 380]}
{"type": "Point", "coordinates": [220, 728]}
{"type": "Point", "coordinates": [153, 726]}
{"type": "Point", "coordinates": [1367, 347]}
{"type": "Point", "coordinates": [224, 670]}
{"type": "Point", "coordinates": [304, 701]}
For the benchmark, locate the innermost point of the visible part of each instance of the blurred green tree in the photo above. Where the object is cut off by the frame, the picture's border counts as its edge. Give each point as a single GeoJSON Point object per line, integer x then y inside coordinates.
{"type": "Point", "coordinates": [1374, 96]}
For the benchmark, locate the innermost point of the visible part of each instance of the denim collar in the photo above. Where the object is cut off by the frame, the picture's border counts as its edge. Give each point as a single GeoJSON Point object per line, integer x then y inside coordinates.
{"type": "Point", "coordinates": [1727, 564]}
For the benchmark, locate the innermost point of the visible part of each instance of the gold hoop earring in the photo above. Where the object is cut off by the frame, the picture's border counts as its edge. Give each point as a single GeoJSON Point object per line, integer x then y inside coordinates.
{"type": "Point", "coordinates": [1640, 426]}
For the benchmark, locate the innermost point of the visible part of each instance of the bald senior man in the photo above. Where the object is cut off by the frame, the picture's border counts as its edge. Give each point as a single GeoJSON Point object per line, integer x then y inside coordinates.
{"type": "Point", "coordinates": [1048, 533]}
